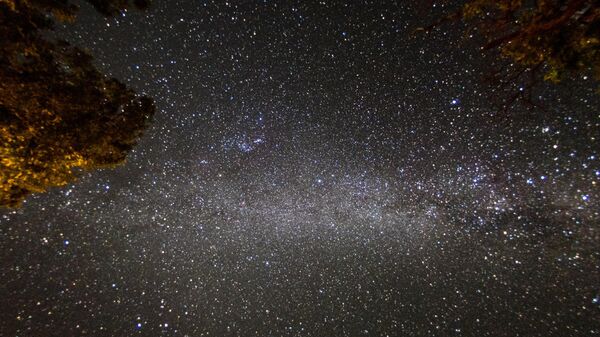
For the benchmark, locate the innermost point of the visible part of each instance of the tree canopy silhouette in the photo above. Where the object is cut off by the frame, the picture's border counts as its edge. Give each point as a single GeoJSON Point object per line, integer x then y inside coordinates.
{"type": "Point", "coordinates": [58, 114]}
{"type": "Point", "coordinates": [549, 39]}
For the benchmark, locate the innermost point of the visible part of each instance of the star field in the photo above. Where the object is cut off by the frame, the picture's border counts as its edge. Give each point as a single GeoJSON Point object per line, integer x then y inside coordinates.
{"type": "Point", "coordinates": [315, 169]}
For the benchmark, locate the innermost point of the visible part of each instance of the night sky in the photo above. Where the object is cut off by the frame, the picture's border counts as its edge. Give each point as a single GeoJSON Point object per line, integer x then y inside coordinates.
{"type": "Point", "coordinates": [315, 169]}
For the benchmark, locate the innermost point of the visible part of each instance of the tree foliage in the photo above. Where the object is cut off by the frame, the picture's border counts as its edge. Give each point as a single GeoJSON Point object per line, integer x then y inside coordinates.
{"type": "Point", "coordinates": [548, 39]}
{"type": "Point", "coordinates": [58, 114]}
{"type": "Point", "coordinates": [565, 35]}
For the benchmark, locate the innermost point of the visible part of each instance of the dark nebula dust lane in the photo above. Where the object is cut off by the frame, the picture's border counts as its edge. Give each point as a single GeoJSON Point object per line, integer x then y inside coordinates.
{"type": "Point", "coordinates": [314, 169]}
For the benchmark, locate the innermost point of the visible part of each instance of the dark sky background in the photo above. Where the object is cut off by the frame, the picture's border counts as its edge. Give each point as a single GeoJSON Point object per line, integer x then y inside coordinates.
{"type": "Point", "coordinates": [314, 169]}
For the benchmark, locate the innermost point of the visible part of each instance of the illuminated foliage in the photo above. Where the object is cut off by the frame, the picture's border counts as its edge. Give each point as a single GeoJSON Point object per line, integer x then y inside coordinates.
{"type": "Point", "coordinates": [564, 36]}
{"type": "Point", "coordinates": [542, 40]}
{"type": "Point", "coordinates": [58, 114]}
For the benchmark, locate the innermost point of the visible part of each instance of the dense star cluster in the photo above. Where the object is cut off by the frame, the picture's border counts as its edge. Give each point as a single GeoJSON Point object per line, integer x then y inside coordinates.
{"type": "Point", "coordinates": [315, 169]}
